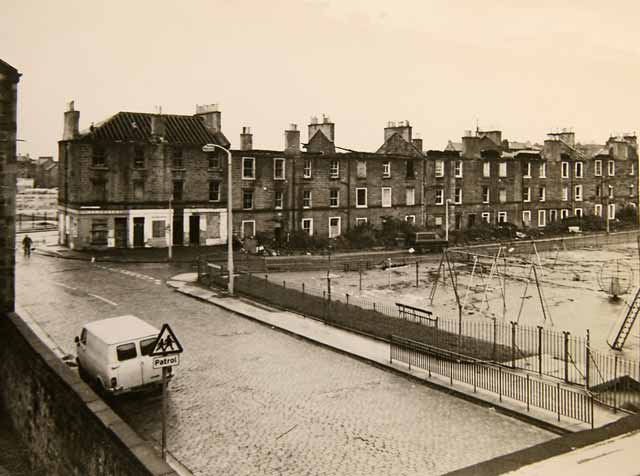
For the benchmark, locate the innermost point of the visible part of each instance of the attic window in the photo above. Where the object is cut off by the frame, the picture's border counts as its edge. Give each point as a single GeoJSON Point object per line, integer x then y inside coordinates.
{"type": "Point", "coordinates": [138, 157]}
{"type": "Point", "coordinates": [411, 173]}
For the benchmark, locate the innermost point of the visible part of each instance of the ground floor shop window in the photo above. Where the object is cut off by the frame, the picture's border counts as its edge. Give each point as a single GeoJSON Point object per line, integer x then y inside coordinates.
{"type": "Point", "coordinates": [99, 231]}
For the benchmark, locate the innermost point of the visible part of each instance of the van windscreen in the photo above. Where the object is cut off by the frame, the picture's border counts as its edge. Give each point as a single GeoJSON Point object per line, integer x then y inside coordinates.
{"type": "Point", "coordinates": [126, 351]}
{"type": "Point", "coordinates": [147, 345]}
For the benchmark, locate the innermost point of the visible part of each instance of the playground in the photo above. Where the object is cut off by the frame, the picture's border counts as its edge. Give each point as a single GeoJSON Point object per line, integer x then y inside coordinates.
{"type": "Point", "coordinates": [561, 290]}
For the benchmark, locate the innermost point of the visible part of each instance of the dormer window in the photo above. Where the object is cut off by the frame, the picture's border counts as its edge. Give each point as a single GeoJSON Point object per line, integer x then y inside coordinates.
{"type": "Point", "coordinates": [138, 157]}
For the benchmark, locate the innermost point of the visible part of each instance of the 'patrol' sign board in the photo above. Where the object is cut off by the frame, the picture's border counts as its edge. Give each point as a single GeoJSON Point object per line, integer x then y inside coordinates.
{"type": "Point", "coordinates": [167, 361]}
{"type": "Point", "coordinates": [166, 344]}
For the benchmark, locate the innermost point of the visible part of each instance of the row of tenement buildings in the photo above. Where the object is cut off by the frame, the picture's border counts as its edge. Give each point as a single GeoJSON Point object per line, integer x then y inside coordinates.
{"type": "Point", "coordinates": [137, 178]}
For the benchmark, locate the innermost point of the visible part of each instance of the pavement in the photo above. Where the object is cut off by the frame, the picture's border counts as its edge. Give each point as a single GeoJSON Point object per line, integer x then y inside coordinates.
{"type": "Point", "coordinates": [377, 352]}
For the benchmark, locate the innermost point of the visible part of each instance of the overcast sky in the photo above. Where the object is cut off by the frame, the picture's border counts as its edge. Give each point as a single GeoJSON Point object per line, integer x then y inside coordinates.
{"type": "Point", "coordinates": [526, 67]}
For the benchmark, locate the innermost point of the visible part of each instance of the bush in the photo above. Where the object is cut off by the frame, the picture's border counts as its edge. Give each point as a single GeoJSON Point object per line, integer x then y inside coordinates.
{"type": "Point", "coordinates": [361, 236]}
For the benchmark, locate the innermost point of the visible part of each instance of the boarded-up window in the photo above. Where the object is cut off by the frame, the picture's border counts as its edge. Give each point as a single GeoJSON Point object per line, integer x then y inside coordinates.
{"type": "Point", "coordinates": [158, 228]}
{"type": "Point", "coordinates": [213, 225]}
{"type": "Point", "coordinates": [361, 169]}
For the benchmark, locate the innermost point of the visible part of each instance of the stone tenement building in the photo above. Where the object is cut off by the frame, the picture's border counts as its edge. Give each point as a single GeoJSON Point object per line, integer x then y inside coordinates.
{"type": "Point", "coordinates": [486, 178]}
{"type": "Point", "coordinates": [132, 178]}
{"type": "Point", "coordinates": [9, 78]}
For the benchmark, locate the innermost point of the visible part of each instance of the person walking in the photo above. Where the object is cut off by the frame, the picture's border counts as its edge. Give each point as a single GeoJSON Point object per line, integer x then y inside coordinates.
{"type": "Point", "coordinates": [27, 243]}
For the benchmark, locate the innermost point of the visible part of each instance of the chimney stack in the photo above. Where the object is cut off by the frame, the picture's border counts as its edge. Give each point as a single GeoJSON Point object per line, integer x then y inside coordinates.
{"type": "Point", "coordinates": [71, 122]}
{"type": "Point", "coordinates": [211, 117]}
{"type": "Point", "coordinates": [158, 125]}
{"type": "Point", "coordinates": [246, 139]}
{"type": "Point", "coordinates": [417, 143]}
{"type": "Point", "coordinates": [327, 127]}
{"type": "Point", "coordinates": [292, 139]}
{"type": "Point", "coordinates": [402, 127]}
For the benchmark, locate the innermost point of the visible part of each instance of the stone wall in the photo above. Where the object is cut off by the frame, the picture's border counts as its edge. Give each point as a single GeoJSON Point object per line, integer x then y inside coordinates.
{"type": "Point", "coordinates": [67, 428]}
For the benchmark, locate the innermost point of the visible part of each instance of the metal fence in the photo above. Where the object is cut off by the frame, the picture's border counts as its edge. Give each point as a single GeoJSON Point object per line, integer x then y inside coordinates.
{"type": "Point", "coordinates": [614, 381]}
{"type": "Point", "coordinates": [560, 400]}
{"type": "Point", "coordinates": [36, 221]}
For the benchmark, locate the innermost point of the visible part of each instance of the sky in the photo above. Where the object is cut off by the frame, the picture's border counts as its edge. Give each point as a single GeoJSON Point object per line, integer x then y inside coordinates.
{"type": "Point", "coordinates": [527, 67]}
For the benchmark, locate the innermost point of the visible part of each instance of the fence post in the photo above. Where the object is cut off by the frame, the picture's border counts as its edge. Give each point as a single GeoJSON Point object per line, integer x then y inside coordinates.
{"type": "Point", "coordinates": [592, 415]}
{"type": "Point", "coordinates": [451, 371]}
{"type": "Point", "coordinates": [284, 284]}
{"type": "Point", "coordinates": [513, 344]}
{"type": "Point", "coordinates": [374, 306]}
{"type": "Point", "coordinates": [528, 391]}
{"type": "Point", "coordinates": [500, 383]}
{"type": "Point", "coordinates": [558, 401]}
{"type": "Point", "coordinates": [587, 364]}
{"type": "Point", "coordinates": [475, 378]}
{"type": "Point", "coordinates": [347, 297]}
{"type": "Point", "coordinates": [417, 265]}
{"type": "Point", "coordinates": [566, 355]}
{"type": "Point", "coordinates": [303, 288]}
{"type": "Point", "coordinates": [540, 350]}
{"type": "Point", "coordinates": [429, 364]}
{"type": "Point", "coordinates": [615, 384]}
{"type": "Point", "coordinates": [360, 274]}
{"type": "Point", "coordinates": [495, 336]}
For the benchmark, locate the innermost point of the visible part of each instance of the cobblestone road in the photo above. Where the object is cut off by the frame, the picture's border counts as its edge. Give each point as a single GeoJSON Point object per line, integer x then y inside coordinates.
{"type": "Point", "coordinates": [248, 400]}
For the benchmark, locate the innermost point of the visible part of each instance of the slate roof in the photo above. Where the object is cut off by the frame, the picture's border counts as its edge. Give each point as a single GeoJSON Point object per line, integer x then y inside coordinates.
{"type": "Point", "coordinates": [457, 146]}
{"type": "Point", "coordinates": [136, 126]}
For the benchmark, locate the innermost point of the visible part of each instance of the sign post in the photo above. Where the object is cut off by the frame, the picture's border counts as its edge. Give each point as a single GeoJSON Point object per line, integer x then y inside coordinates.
{"type": "Point", "coordinates": [166, 353]}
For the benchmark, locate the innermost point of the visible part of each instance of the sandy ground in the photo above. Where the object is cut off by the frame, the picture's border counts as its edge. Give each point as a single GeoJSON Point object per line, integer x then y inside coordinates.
{"type": "Point", "coordinates": [571, 283]}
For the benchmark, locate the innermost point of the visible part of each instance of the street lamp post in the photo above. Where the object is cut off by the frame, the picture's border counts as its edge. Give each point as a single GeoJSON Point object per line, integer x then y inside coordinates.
{"type": "Point", "coordinates": [211, 148]}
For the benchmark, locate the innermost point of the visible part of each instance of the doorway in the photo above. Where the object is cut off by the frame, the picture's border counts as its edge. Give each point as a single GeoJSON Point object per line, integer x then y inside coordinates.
{"type": "Point", "coordinates": [471, 220]}
{"type": "Point", "coordinates": [138, 232]}
{"type": "Point", "coordinates": [194, 230]}
{"type": "Point", "coordinates": [120, 225]}
{"type": "Point", "coordinates": [178, 228]}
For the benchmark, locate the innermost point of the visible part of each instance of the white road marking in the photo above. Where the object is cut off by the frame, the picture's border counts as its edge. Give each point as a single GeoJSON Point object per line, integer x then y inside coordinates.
{"type": "Point", "coordinates": [132, 274]}
{"type": "Point", "coordinates": [65, 286]}
{"type": "Point", "coordinates": [102, 299]}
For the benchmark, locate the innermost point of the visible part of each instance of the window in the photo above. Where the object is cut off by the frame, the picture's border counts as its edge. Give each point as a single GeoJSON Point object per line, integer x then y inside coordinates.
{"type": "Point", "coordinates": [278, 200]}
{"type": "Point", "coordinates": [213, 160]}
{"type": "Point", "coordinates": [177, 190]}
{"type": "Point", "coordinates": [361, 169]}
{"type": "Point", "coordinates": [147, 345]}
{"type": "Point", "coordinates": [597, 168]}
{"type": "Point", "coordinates": [526, 194]}
{"type": "Point", "coordinates": [611, 168]}
{"type": "Point", "coordinates": [458, 169]}
{"type": "Point", "coordinates": [543, 170]}
{"type": "Point", "coordinates": [248, 168]}
{"type": "Point", "coordinates": [631, 190]}
{"type": "Point", "coordinates": [334, 197]}
{"type": "Point", "coordinates": [410, 195]}
{"type": "Point", "coordinates": [439, 196]}
{"type": "Point", "coordinates": [502, 195]}
{"type": "Point", "coordinates": [612, 211]}
{"type": "Point", "coordinates": [248, 228]}
{"type": "Point", "coordinates": [99, 157]}
{"type": "Point", "coordinates": [157, 228]}
{"type": "Point", "coordinates": [306, 171]}
{"type": "Point", "coordinates": [411, 173]}
{"type": "Point", "coordinates": [334, 169]}
{"type": "Point", "coordinates": [527, 170]}
{"type": "Point", "coordinates": [611, 191]}
{"type": "Point", "coordinates": [438, 221]}
{"type": "Point", "coordinates": [361, 198]}
{"type": "Point", "coordinates": [214, 191]}
{"type": "Point", "coordinates": [306, 199]}
{"type": "Point", "coordinates": [178, 163]}
{"type": "Point", "coordinates": [577, 193]}
{"type": "Point", "coordinates": [502, 217]}
{"type": "Point", "coordinates": [526, 218]}
{"type": "Point", "coordinates": [439, 172]}
{"type": "Point", "coordinates": [564, 213]}
{"type": "Point", "coordinates": [386, 169]}
{"type": "Point", "coordinates": [278, 169]}
{"type": "Point", "coordinates": [553, 215]}
{"type": "Point", "coordinates": [307, 226]}
{"type": "Point", "coordinates": [542, 194]}
{"type": "Point", "coordinates": [597, 210]}
{"type": "Point", "coordinates": [577, 212]}
{"type": "Point", "coordinates": [565, 194]}
{"type": "Point", "coordinates": [542, 218]}
{"type": "Point", "coordinates": [632, 168]}
{"type": "Point", "coordinates": [138, 157]}
{"type": "Point", "coordinates": [386, 197]}
{"type": "Point", "coordinates": [99, 231]}
{"type": "Point", "coordinates": [486, 194]}
{"type": "Point", "coordinates": [247, 199]}
{"type": "Point", "coordinates": [410, 219]}
{"type": "Point", "coordinates": [334, 227]}
{"type": "Point", "coordinates": [361, 221]}
{"type": "Point", "coordinates": [502, 169]}
{"type": "Point", "coordinates": [138, 189]}
{"type": "Point", "coordinates": [598, 191]}
{"type": "Point", "coordinates": [565, 170]}
{"type": "Point", "coordinates": [126, 351]}
{"type": "Point", "coordinates": [457, 198]}
{"type": "Point", "coordinates": [578, 169]}
{"type": "Point", "coordinates": [486, 168]}
{"type": "Point", "coordinates": [486, 217]}
{"type": "Point", "coordinates": [99, 190]}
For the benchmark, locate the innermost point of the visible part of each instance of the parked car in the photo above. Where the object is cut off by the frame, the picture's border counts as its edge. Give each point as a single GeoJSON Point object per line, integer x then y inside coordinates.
{"type": "Point", "coordinates": [113, 355]}
{"type": "Point", "coordinates": [426, 241]}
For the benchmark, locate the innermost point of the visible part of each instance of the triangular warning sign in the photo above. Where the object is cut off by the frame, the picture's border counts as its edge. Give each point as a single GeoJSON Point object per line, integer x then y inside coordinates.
{"type": "Point", "coordinates": [166, 343]}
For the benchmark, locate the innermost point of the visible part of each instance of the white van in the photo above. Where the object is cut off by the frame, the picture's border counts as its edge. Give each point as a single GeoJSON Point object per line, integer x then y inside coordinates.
{"type": "Point", "coordinates": [113, 355]}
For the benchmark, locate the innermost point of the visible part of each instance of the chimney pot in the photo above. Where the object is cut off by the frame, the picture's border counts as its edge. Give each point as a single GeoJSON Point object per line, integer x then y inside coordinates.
{"type": "Point", "coordinates": [71, 122]}
{"type": "Point", "coordinates": [211, 116]}
{"type": "Point", "coordinates": [246, 139]}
